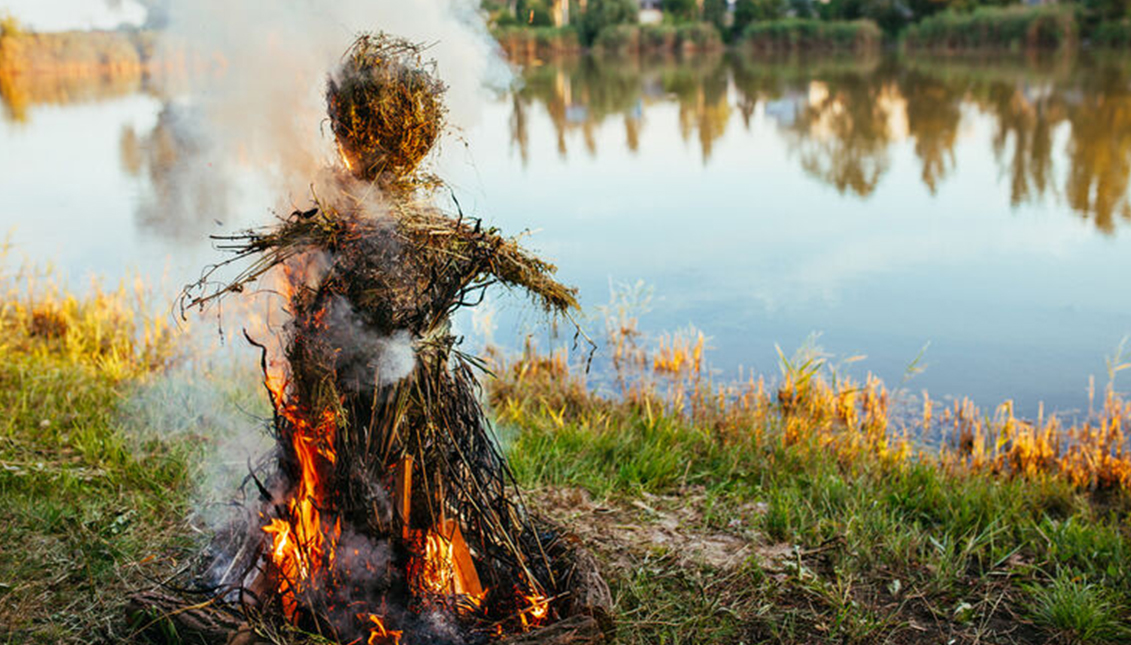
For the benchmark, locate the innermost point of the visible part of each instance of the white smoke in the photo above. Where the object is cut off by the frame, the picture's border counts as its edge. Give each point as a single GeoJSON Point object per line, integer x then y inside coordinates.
{"type": "Point", "coordinates": [218, 406]}
{"type": "Point", "coordinates": [266, 101]}
{"type": "Point", "coordinates": [364, 356]}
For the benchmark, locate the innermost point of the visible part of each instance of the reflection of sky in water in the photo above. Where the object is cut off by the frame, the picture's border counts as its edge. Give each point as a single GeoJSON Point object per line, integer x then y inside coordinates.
{"type": "Point", "coordinates": [1017, 301]}
{"type": "Point", "coordinates": [75, 196]}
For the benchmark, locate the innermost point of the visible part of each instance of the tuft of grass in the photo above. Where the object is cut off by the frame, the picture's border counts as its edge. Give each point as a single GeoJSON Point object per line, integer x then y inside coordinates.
{"type": "Point", "coordinates": [1077, 611]}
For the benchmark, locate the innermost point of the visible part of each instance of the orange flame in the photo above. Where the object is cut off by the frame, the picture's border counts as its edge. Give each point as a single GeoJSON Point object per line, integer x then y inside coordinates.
{"type": "Point", "coordinates": [345, 159]}
{"type": "Point", "coordinates": [536, 613]}
{"type": "Point", "coordinates": [379, 635]}
{"type": "Point", "coordinates": [445, 567]}
{"type": "Point", "coordinates": [437, 573]}
{"type": "Point", "coordinates": [301, 544]}
{"type": "Point", "coordinates": [304, 542]}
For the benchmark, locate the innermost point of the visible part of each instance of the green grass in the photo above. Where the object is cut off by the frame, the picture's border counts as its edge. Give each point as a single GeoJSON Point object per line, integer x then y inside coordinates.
{"type": "Point", "coordinates": [709, 533]}
{"type": "Point", "coordinates": [880, 550]}
{"type": "Point", "coordinates": [81, 504]}
{"type": "Point", "coordinates": [90, 507]}
{"type": "Point", "coordinates": [1078, 611]}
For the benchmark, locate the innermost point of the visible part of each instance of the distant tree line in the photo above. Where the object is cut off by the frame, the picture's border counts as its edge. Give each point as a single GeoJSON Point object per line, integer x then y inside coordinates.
{"type": "Point", "coordinates": [892, 16]}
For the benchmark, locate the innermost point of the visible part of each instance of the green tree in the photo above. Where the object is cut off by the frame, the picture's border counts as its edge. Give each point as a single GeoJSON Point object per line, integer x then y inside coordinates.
{"type": "Point", "coordinates": [606, 13]}
{"type": "Point", "coordinates": [748, 11]}
{"type": "Point", "coordinates": [1107, 10]}
{"type": "Point", "coordinates": [681, 10]}
{"type": "Point", "coordinates": [715, 12]}
{"type": "Point", "coordinates": [534, 12]}
{"type": "Point", "coordinates": [803, 8]}
{"type": "Point", "coordinates": [890, 15]}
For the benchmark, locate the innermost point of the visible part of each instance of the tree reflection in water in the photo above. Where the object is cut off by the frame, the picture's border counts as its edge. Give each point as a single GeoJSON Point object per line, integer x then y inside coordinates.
{"type": "Point", "coordinates": [840, 119]}
{"type": "Point", "coordinates": [1059, 131]}
{"type": "Point", "coordinates": [187, 187]}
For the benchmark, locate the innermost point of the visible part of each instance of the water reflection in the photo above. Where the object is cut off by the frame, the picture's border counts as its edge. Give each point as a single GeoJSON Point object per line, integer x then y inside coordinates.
{"type": "Point", "coordinates": [20, 94]}
{"type": "Point", "coordinates": [187, 187]}
{"type": "Point", "coordinates": [581, 94]}
{"type": "Point", "coordinates": [798, 177]}
{"type": "Point", "coordinates": [841, 119]}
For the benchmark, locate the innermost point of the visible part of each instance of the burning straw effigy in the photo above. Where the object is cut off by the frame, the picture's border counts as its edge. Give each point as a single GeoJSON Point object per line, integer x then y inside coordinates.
{"type": "Point", "coordinates": [387, 513]}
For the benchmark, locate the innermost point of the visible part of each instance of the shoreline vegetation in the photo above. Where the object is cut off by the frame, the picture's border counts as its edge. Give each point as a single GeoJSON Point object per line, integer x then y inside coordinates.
{"type": "Point", "coordinates": [793, 510]}
{"type": "Point", "coordinates": [801, 511]}
{"type": "Point", "coordinates": [30, 59]}
{"type": "Point", "coordinates": [770, 28]}
{"type": "Point", "coordinates": [88, 500]}
{"type": "Point", "coordinates": [65, 67]}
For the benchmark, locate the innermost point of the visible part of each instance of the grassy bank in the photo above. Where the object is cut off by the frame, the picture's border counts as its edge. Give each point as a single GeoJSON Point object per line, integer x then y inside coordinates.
{"type": "Point", "coordinates": [788, 35]}
{"type": "Point", "coordinates": [1017, 27]}
{"type": "Point", "coordinates": [801, 35]}
{"type": "Point", "coordinates": [75, 53]}
{"type": "Point", "coordinates": [522, 43]}
{"type": "Point", "coordinates": [1014, 27]}
{"type": "Point", "coordinates": [65, 67]}
{"type": "Point", "coordinates": [88, 510]}
{"type": "Point", "coordinates": [687, 38]}
{"type": "Point", "coordinates": [793, 513]}
{"type": "Point", "coordinates": [798, 514]}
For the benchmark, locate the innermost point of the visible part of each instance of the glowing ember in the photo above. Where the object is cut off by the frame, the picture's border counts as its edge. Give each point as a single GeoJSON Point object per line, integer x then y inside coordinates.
{"type": "Point", "coordinates": [535, 615]}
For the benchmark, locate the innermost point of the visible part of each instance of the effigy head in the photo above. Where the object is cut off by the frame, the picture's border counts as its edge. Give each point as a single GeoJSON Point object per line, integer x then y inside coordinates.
{"type": "Point", "coordinates": [386, 108]}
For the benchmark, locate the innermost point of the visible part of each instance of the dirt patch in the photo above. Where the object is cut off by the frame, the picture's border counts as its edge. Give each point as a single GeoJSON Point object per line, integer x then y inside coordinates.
{"type": "Point", "coordinates": [671, 524]}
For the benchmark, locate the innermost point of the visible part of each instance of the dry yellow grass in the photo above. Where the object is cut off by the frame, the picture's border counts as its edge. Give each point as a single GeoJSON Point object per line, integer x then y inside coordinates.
{"type": "Point", "coordinates": [813, 405]}
{"type": "Point", "coordinates": [113, 330]}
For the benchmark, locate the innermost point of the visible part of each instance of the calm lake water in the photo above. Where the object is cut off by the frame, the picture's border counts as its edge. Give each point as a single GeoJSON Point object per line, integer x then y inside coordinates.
{"type": "Point", "coordinates": [980, 208]}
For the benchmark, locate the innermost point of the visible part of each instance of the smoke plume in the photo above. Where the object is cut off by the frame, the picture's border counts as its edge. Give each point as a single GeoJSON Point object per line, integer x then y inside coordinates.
{"type": "Point", "coordinates": [265, 101]}
{"type": "Point", "coordinates": [260, 107]}
{"type": "Point", "coordinates": [365, 357]}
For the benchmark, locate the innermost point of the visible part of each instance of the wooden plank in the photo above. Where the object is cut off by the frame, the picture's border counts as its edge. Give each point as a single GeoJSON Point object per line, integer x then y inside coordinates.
{"type": "Point", "coordinates": [402, 494]}
{"type": "Point", "coordinates": [466, 577]}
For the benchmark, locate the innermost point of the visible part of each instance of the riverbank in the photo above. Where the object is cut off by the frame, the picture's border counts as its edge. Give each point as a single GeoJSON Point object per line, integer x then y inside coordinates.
{"type": "Point", "coordinates": [801, 514]}
{"type": "Point", "coordinates": [90, 508]}
{"type": "Point", "coordinates": [862, 37]}
{"type": "Point", "coordinates": [1042, 27]}
{"type": "Point", "coordinates": [26, 58]}
{"type": "Point", "coordinates": [79, 53]}
{"type": "Point", "coordinates": [72, 66]}
{"type": "Point", "coordinates": [794, 514]}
